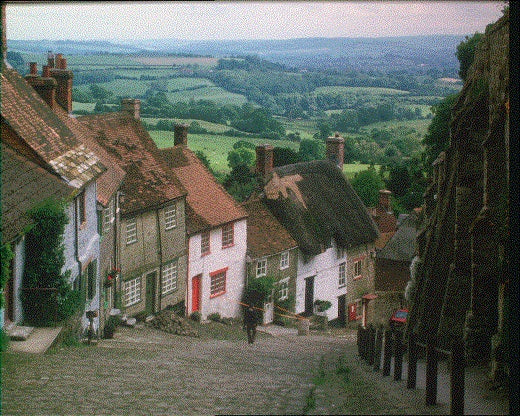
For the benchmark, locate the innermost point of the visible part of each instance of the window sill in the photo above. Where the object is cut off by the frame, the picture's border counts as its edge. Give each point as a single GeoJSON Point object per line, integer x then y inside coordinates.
{"type": "Point", "coordinates": [342, 286]}
{"type": "Point", "coordinates": [260, 275]}
{"type": "Point", "coordinates": [170, 228]}
{"type": "Point", "coordinates": [169, 292]}
{"type": "Point", "coordinates": [83, 225]}
{"type": "Point", "coordinates": [205, 254]}
{"type": "Point", "coordinates": [228, 246]}
{"type": "Point", "coordinates": [217, 294]}
{"type": "Point", "coordinates": [358, 277]}
{"type": "Point", "coordinates": [284, 268]}
{"type": "Point", "coordinates": [130, 242]}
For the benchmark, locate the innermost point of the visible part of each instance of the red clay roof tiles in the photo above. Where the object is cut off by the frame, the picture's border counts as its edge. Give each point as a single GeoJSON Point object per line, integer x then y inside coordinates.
{"type": "Point", "coordinates": [208, 203]}
{"type": "Point", "coordinates": [148, 182]}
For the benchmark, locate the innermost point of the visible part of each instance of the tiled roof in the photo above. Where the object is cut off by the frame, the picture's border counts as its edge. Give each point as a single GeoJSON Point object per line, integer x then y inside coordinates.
{"type": "Point", "coordinates": [265, 234]}
{"type": "Point", "coordinates": [43, 131]}
{"type": "Point", "coordinates": [110, 181]}
{"type": "Point", "coordinates": [402, 246]}
{"type": "Point", "coordinates": [208, 203]}
{"type": "Point", "coordinates": [316, 203]}
{"type": "Point", "coordinates": [24, 183]}
{"type": "Point", "coordinates": [148, 182]}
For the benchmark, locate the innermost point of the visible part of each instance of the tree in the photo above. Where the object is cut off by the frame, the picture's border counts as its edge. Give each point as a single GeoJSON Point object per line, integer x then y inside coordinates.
{"type": "Point", "coordinates": [324, 130]}
{"type": "Point", "coordinates": [241, 182]}
{"type": "Point", "coordinates": [437, 137]}
{"type": "Point", "coordinates": [466, 53]}
{"type": "Point", "coordinates": [367, 185]}
{"type": "Point", "coordinates": [99, 93]}
{"type": "Point", "coordinates": [284, 156]}
{"type": "Point", "coordinates": [240, 156]}
{"type": "Point", "coordinates": [204, 159]}
{"type": "Point", "coordinates": [311, 150]}
{"type": "Point", "coordinates": [399, 180]}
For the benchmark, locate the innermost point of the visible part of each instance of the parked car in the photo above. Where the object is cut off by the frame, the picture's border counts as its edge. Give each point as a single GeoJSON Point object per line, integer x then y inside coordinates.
{"type": "Point", "coordinates": [398, 318]}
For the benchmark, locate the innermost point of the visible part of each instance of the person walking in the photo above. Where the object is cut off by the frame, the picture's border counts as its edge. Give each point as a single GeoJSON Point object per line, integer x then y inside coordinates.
{"type": "Point", "coordinates": [250, 322]}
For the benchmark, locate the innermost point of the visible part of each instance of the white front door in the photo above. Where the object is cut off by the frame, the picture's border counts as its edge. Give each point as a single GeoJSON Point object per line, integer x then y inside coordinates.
{"type": "Point", "coordinates": [268, 313]}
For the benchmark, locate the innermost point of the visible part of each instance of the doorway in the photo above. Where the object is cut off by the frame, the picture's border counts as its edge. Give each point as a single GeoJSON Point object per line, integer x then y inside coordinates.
{"type": "Point", "coordinates": [195, 293]}
{"type": "Point", "coordinates": [342, 309]}
{"type": "Point", "coordinates": [151, 279]}
{"type": "Point", "coordinates": [309, 296]}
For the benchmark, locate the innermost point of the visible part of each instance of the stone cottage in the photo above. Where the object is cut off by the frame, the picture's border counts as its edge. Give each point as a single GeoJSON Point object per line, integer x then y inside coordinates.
{"type": "Point", "coordinates": [151, 237]}
{"type": "Point", "coordinates": [216, 228]}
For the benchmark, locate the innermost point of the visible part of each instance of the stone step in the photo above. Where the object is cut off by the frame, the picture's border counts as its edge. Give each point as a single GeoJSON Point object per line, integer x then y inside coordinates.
{"type": "Point", "coordinates": [20, 333]}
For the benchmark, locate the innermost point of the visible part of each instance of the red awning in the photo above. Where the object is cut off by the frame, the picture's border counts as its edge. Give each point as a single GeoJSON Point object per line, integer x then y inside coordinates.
{"type": "Point", "coordinates": [370, 296]}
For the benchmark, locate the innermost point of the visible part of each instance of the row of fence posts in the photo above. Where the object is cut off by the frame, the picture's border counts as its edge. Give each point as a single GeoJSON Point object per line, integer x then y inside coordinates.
{"type": "Point", "coordinates": [372, 343]}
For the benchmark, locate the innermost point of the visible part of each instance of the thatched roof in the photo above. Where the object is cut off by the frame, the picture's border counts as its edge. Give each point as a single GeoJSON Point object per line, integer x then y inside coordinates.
{"type": "Point", "coordinates": [316, 203]}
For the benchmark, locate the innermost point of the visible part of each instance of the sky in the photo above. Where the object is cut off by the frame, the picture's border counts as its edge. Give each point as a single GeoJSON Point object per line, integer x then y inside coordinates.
{"type": "Point", "coordinates": [246, 19]}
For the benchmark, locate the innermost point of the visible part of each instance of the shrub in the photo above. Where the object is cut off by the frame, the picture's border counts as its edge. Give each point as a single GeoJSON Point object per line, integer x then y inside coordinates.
{"type": "Point", "coordinates": [215, 317]}
{"type": "Point", "coordinates": [196, 316]}
{"type": "Point", "coordinates": [111, 324]}
{"type": "Point", "coordinates": [322, 305]}
{"type": "Point", "coordinates": [4, 340]}
{"type": "Point", "coordinates": [258, 290]}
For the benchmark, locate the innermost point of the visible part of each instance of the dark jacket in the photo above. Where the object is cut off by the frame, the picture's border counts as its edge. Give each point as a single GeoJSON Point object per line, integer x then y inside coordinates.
{"type": "Point", "coordinates": [250, 317]}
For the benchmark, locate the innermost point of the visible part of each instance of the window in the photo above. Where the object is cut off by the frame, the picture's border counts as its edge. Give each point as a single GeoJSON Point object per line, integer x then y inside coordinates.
{"type": "Point", "coordinates": [170, 217]}
{"type": "Point", "coordinates": [261, 267]}
{"type": "Point", "coordinates": [82, 214]}
{"type": "Point", "coordinates": [340, 253]}
{"type": "Point", "coordinates": [283, 289]}
{"type": "Point", "coordinates": [217, 283]}
{"type": "Point", "coordinates": [284, 260]}
{"type": "Point", "coordinates": [357, 269]}
{"type": "Point", "coordinates": [108, 217]}
{"type": "Point", "coordinates": [169, 280]}
{"type": "Point", "coordinates": [342, 277]}
{"type": "Point", "coordinates": [205, 247]}
{"type": "Point", "coordinates": [227, 235]}
{"type": "Point", "coordinates": [132, 291]}
{"type": "Point", "coordinates": [91, 279]}
{"type": "Point", "coordinates": [131, 231]}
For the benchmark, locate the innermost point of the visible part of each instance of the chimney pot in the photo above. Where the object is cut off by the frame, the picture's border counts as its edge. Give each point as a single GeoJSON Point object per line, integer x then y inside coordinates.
{"type": "Point", "coordinates": [131, 106]}
{"type": "Point", "coordinates": [50, 59]}
{"type": "Point", "coordinates": [384, 199]}
{"type": "Point", "coordinates": [180, 135]}
{"type": "Point", "coordinates": [264, 160]}
{"type": "Point", "coordinates": [335, 149]}
{"type": "Point", "coordinates": [46, 72]}
{"type": "Point", "coordinates": [63, 63]}
{"type": "Point", "coordinates": [33, 68]}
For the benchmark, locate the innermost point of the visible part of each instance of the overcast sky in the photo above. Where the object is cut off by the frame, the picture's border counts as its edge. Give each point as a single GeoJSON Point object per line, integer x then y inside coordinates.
{"type": "Point", "coordinates": [246, 19]}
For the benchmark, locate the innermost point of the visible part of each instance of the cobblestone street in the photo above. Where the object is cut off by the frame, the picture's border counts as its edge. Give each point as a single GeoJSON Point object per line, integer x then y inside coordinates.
{"type": "Point", "coordinates": [147, 372]}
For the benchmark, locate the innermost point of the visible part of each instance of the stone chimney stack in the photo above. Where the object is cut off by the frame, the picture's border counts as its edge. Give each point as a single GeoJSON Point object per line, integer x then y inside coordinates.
{"type": "Point", "coordinates": [45, 86]}
{"type": "Point", "coordinates": [63, 77]}
{"type": "Point", "coordinates": [336, 149]}
{"type": "Point", "coordinates": [180, 135]}
{"type": "Point", "coordinates": [264, 160]}
{"type": "Point", "coordinates": [4, 34]}
{"type": "Point", "coordinates": [131, 106]}
{"type": "Point", "coordinates": [50, 59]}
{"type": "Point", "coordinates": [384, 199]}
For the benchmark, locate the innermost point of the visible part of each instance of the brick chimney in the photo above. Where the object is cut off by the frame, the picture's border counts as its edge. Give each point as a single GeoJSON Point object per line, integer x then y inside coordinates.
{"type": "Point", "coordinates": [63, 77]}
{"type": "Point", "coordinates": [131, 106]}
{"type": "Point", "coordinates": [264, 159]}
{"type": "Point", "coordinates": [180, 135]}
{"type": "Point", "coordinates": [384, 199]}
{"type": "Point", "coordinates": [335, 149]}
{"type": "Point", "coordinates": [45, 86]}
{"type": "Point", "coordinates": [50, 59]}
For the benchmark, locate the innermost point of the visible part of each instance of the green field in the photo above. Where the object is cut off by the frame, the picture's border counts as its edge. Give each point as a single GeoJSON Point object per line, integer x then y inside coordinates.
{"type": "Point", "coordinates": [211, 93]}
{"type": "Point", "coordinates": [122, 87]}
{"type": "Point", "coordinates": [212, 127]}
{"type": "Point", "coordinates": [360, 91]}
{"type": "Point", "coordinates": [215, 147]}
{"type": "Point", "coordinates": [83, 106]}
{"type": "Point", "coordinates": [421, 126]}
{"type": "Point", "coordinates": [351, 169]}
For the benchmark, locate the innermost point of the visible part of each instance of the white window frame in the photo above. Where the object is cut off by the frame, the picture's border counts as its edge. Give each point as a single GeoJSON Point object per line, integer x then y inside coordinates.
{"type": "Point", "coordinates": [218, 281]}
{"type": "Point", "coordinates": [131, 230]}
{"type": "Point", "coordinates": [170, 217]}
{"type": "Point", "coordinates": [108, 217]}
{"type": "Point", "coordinates": [170, 276]}
{"type": "Point", "coordinates": [284, 260]}
{"type": "Point", "coordinates": [283, 289]}
{"type": "Point", "coordinates": [132, 291]}
{"type": "Point", "coordinates": [342, 275]}
{"type": "Point", "coordinates": [203, 245]}
{"type": "Point", "coordinates": [227, 231]}
{"type": "Point", "coordinates": [261, 267]}
{"type": "Point", "coordinates": [358, 265]}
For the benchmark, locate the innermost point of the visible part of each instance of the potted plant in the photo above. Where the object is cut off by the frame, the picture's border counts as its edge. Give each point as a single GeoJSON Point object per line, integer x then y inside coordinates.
{"type": "Point", "coordinates": [321, 306]}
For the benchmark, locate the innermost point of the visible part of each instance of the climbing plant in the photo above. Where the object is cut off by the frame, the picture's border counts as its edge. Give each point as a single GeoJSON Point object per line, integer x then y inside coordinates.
{"type": "Point", "coordinates": [6, 256]}
{"type": "Point", "coordinates": [47, 295]}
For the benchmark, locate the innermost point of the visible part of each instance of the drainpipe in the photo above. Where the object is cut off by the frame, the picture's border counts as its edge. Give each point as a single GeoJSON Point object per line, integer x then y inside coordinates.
{"type": "Point", "coordinates": [159, 251]}
{"type": "Point", "coordinates": [187, 290]}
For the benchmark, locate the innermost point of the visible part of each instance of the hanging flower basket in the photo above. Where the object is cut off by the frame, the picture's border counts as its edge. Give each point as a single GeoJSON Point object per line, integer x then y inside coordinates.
{"type": "Point", "coordinates": [111, 277]}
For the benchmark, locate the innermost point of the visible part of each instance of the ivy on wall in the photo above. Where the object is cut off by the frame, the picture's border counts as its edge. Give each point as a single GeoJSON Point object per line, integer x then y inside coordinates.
{"type": "Point", "coordinates": [47, 296]}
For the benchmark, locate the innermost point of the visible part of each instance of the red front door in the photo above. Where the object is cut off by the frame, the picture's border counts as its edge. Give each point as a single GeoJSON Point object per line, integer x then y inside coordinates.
{"type": "Point", "coordinates": [195, 293]}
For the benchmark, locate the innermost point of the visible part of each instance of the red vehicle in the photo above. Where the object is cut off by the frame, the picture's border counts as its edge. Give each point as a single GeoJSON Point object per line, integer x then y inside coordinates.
{"type": "Point", "coordinates": [398, 318]}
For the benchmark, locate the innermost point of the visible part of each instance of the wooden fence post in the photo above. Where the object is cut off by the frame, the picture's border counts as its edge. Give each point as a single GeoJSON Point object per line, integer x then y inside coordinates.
{"type": "Point", "coordinates": [387, 356]}
{"type": "Point", "coordinates": [457, 377]}
{"type": "Point", "coordinates": [377, 349]}
{"type": "Point", "coordinates": [431, 371]}
{"type": "Point", "coordinates": [398, 355]}
{"type": "Point", "coordinates": [412, 361]}
{"type": "Point", "coordinates": [371, 344]}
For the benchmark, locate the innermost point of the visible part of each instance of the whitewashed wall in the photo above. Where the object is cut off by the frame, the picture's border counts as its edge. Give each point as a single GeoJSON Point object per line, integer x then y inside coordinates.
{"type": "Point", "coordinates": [234, 258]}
